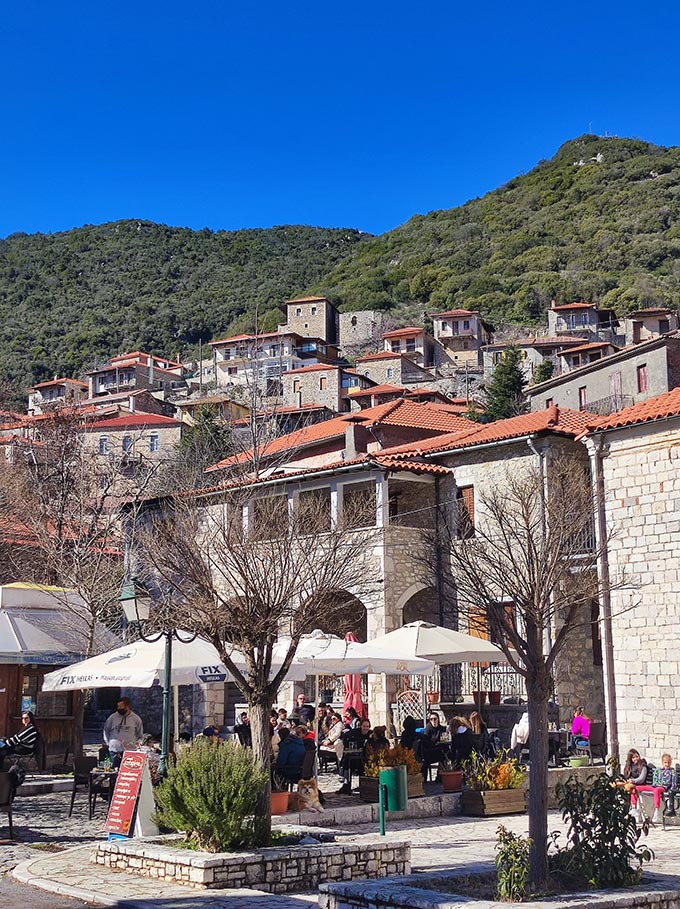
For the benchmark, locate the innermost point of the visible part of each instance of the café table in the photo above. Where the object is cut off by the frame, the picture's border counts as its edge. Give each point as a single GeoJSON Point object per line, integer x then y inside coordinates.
{"type": "Point", "coordinates": [558, 746]}
{"type": "Point", "coordinates": [102, 782]}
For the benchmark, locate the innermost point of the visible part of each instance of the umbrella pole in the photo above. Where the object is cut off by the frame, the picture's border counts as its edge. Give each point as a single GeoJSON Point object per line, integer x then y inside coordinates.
{"type": "Point", "coordinates": [423, 692]}
{"type": "Point", "coordinates": [479, 687]}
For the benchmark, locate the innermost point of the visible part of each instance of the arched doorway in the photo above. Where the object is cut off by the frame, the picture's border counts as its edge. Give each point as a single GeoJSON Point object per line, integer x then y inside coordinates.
{"type": "Point", "coordinates": [346, 613]}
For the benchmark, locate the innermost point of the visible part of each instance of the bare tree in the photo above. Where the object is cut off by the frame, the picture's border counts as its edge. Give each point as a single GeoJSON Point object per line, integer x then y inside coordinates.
{"type": "Point", "coordinates": [527, 572]}
{"type": "Point", "coordinates": [248, 569]}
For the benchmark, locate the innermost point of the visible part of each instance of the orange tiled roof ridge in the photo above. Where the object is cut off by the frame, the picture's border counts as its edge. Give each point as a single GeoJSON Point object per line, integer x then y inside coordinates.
{"type": "Point", "coordinates": [658, 408]}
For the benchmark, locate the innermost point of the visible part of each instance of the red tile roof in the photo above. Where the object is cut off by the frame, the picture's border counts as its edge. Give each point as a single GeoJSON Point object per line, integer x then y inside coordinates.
{"type": "Point", "coordinates": [376, 390]}
{"type": "Point", "coordinates": [58, 382]}
{"type": "Point", "coordinates": [573, 306]}
{"type": "Point", "coordinates": [309, 300]}
{"type": "Point", "coordinates": [558, 420]}
{"type": "Point", "coordinates": [135, 421]}
{"type": "Point", "coordinates": [137, 354]}
{"type": "Point", "coordinates": [381, 355]}
{"type": "Point", "coordinates": [315, 367]}
{"type": "Point", "coordinates": [652, 311]}
{"type": "Point", "coordinates": [659, 408]}
{"type": "Point", "coordinates": [455, 312]}
{"type": "Point", "coordinates": [594, 345]}
{"type": "Point", "coordinates": [534, 342]}
{"type": "Point", "coordinates": [408, 414]}
{"type": "Point", "coordinates": [404, 332]}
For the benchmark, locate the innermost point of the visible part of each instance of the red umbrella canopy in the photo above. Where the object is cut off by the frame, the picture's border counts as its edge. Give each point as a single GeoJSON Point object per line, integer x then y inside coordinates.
{"type": "Point", "coordinates": [351, 687]}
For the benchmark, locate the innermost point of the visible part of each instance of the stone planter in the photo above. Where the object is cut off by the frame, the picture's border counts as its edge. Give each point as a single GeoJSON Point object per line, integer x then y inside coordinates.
{"type": "Point", "coordinates": [452, 780]}
{"type": "Point", "coordinates": [280, 802]}
{"type": "Point", "coordinates": [368, 787]}
{"type": "Point", "coordinates": [491, 802]}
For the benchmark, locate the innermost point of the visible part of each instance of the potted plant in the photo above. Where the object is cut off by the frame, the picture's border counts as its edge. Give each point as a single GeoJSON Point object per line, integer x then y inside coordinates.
{"type": "Point", "coordinates": [390, 757]}
{"type": "Point", "coordinates": [479, 697]}
{"type": "Point", "coordinates": [495, 698]}
{"type": "Point", "coordinates": [451, 774]}
{"type": "Point", "coordinates": [280, 793]}
{"type": "Point", "coordinates": [493, 785]}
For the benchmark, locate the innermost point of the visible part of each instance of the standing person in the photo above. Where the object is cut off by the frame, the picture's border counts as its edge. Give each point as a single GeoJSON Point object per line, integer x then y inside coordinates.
{"type": "Point", "coordinates": [243, 731]}
{"type": "Point", "coordinates": [123, 729]}
{"type": "Point", "coordinates": [303, 710]}
{"type": "Point", "coordinates": [24, 741]}
{"type": "Point", "coordinates": [635, 770]}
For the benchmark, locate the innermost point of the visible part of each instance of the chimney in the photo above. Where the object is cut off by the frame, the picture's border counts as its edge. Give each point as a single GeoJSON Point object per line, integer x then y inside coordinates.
{"type": "Point", "coordinates": [131, 403]}
{"type": "Point", "coordinates": [553, 415]}
{"type": "Point", "coordinates": [356, 441]}
{"type": "Point", "coordinates": [151, 371]}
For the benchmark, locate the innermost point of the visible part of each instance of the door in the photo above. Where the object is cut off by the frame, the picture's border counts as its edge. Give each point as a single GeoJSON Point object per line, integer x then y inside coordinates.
{"type": "Point", "coordinates": [7, 680]}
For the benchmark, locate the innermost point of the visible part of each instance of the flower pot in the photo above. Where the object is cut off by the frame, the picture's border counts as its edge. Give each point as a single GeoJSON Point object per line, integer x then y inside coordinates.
{"type": "Point", "coordinates": [492, 802]}
{"type": "Point", "coordinates": [368, 787]}
{"type": "Point", "coordinates": [452, 780]}
{"type": "Point", "coordinates": [479, 697]}
{"type": "Point", "coordinates": [279, 802]}
{"type": "Point", "coordinates": [495, 698]}
{"type": "Point", "coordinates": [432, 697]}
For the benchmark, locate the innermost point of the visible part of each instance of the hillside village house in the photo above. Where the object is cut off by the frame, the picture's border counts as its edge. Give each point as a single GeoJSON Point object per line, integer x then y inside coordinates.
{"type": "Point", "coordinates": [136, 441]}
{"type": "Point", "coordinates": [388, 367]}
{"type": "Point", "coordinates": [460, 335]}
{"type": "Point", "coordinates": [534, 352]}
{"type": "Point", "coordinates": [322, 384]}
{"type": "Point", "coordinates": [585, 320]}
{"type": "Point", "coordinates": [137, 370]}
{"type": "Point", "coordinates": [56, 393]}
{"type": "Point", "coordinates": [646, 324]}
{"type": "Point", "coordinates": [609, 383]}
{"type": "Point", "coordinates": [312, 317]}
{"type": "Point", "coordinates": [408, 459]}
{"type": "Point", "coordinates": [414, 342]}
{"type": "Point", "coordinates": [573, 357]}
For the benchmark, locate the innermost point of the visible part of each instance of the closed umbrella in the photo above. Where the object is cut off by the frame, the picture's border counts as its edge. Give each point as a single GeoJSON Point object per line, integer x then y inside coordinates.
{"type": "Point", "coordinates": [351, 684]}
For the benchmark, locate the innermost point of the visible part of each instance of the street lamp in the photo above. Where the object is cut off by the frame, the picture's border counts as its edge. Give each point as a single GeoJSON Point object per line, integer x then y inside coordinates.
{"type": "Point", "coordinates": [136, 600]}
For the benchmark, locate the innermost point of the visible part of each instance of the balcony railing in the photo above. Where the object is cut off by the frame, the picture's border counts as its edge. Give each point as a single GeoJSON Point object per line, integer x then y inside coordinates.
{"type": "Point", "coordinates": [605, 406]}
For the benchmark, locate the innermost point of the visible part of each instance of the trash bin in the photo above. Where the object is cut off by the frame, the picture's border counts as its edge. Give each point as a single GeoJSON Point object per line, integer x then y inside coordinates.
{"type": "Point", "coordinates": [397, 787]}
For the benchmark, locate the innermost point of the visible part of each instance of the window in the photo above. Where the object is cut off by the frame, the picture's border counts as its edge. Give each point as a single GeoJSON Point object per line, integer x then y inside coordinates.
{"type": "Point", "coordinates": [296, 386]}
{"type": "Point", "coordinates": [642, 378]}
{"type": "Point", "coordinates": [127, 444]}
{"type": "Point", "coordinates": [103, 445]}
{"type": "Point", "coordinates": [445, 326]}
{"type": "Point", "coordinates": [548, 402]}
{"type": "Point", "coordinates": [154, 442]}
{"type": "Point", "coordinates": [466, 325]}
{"type": "Point", "coordinates": [275, 350]}
{"type": "Point", "coordinates": [358, 505]}
{"type": "Point", "coordinates": [298, 311]}
{"type": "Point", "coordinates": [232, 371]}
{"type": "Point", "coordinates": [353, 322]}
{"type": "Point", "coordinates": [227, 353]}
{"type": "Point", "coordinates": [455, 326]}
{"type": "Point", "coordinates": [497, 357]}
{"type": "Point", "coordinates": [410, 345]}
{"type": "Point", "coordinates": [584, 318]}
{"type": "Point", "coordinates": [313, 310]}
{"type": "Point", "coordinates": [465, 502]}
{"type": "Point", "coordinates": [664, 326]}
{"type": "Point", "coordinates": [582, 397]}
{"type": "Point", "coordinates": [466, 345]}
{"type": "Point", "coordinates": [322, 383]}
{"type": "Point", "coordinates": [396, 346]}
{"type": "Point", "coordinates": [390, 372]}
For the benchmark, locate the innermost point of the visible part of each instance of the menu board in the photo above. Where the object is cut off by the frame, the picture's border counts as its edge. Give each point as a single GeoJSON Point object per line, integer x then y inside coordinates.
{"type": "Point", "coordinates": [124, 799]}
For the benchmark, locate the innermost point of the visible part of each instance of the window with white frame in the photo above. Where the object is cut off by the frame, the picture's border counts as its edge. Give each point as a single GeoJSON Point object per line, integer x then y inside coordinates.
{"type": "Point", "coordinates": [154, 442]}
{"type": "Point", "coordinates": [103, 445]}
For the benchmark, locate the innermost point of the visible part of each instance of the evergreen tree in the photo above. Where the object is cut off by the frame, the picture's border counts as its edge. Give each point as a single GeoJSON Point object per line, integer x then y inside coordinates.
{"type": "Point", "coordinates": [505, 393]}
{"type": "Point", "coordinates": [204, 443]}
{"type": "Point", "coordinates": [543, 371]}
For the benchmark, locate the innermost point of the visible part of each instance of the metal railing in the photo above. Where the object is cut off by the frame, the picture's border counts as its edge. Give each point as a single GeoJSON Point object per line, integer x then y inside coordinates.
{"type": "Point", "coordinates": [605, 406]}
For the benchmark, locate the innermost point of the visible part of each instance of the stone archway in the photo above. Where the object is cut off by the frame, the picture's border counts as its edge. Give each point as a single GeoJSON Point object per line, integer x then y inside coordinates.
{"type": "Point", "coordinates": [353, 612]}
{"type": "Point", "coordinates": [423, 605]}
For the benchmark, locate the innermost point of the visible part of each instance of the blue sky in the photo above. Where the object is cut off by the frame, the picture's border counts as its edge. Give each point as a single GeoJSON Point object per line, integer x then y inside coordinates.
{"type": "Point", "coordinates": [350, 115]}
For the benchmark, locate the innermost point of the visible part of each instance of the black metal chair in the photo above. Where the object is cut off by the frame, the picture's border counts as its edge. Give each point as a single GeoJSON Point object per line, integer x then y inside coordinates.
{"type": "Point", "coordinates": [596, 744]}
{"type": "Point", "coordinates": [81, 777]}
{"type": "Point", "coordinates": [7, 793]}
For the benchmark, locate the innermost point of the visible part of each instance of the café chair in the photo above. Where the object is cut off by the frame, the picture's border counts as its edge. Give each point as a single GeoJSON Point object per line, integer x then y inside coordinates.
{"type": "Point", "coordinates": [596, 745]}
{"type": "Point", "coordinates": [7, 792]}
{"type": "Point", "coordinates": [81, 776]}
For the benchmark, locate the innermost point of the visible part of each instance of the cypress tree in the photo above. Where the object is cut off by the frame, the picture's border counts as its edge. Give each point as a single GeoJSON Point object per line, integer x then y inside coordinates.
{"type": "Point", "coordinates": [505, 392]}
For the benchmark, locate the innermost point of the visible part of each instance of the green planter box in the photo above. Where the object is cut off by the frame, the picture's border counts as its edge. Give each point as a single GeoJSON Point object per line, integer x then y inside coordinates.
{"type": "Point", "coordinates": [491, 802]}
{"type": "Point", "coordinates": [368, 787]}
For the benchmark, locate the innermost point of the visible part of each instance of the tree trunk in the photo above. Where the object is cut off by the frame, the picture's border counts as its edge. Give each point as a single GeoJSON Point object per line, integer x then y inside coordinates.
{"type": "Point", "coordinates": [538, 692]}
{"type": "Point", "coordinates": [259, 709]}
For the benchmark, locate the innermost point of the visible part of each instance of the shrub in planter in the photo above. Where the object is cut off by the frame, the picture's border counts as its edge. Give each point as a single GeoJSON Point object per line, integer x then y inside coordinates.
{"type": "Point", "coordinates": [500, 772]}
{"type": "Point", "coordinates": [512, 865]}
{"type": "Point", "coordinates": [392, 757]}
{"type": "Point", "coordinates": [451, 775]}
{"type": "Point", "coordinates": [602, 843]}
{"type": "Point", "coordinates": [212, 795]}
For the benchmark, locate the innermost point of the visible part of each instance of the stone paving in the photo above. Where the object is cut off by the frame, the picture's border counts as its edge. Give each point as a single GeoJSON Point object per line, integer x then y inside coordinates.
{"type": "Point", "coordinates": [437, 844]}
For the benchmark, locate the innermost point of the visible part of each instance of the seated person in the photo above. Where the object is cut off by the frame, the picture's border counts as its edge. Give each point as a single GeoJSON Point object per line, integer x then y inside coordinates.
{"type": "Point", "coordinates": [462, 741]}
{"type": "Point", "coordinates": [480, 733]}
{"type": "Point", "coordinates": [352, 718]}
{"type": "Point", "coordinates": [291, 755]}
{"type": "Point", "coordinates": [409, 736]}
{"type": "Point", "coordinates": [243, 731]}
{"type": "Point", "coordinates": [432, 750]}
{"type": "Point", "coordinates": [333, 741]}
{"type": "Point", "coordinates": [24, 741]}
{"type": "Point", "coordinates": [580, 727]}
{"type": "Point", "coordinates": [182, 744]}
{"type": "Point", "coordinates": [635, 771]}
{"type": "Point", "coordinates": [210, 733]}
{"type": "Point", "coordinates": [667, 778]}
{"type": "Point", "coordinates": [302, 710]}
{"type": "Point", "coordinates": [377, 741]}
{"type": "Point", "coordinates": [354, 742]}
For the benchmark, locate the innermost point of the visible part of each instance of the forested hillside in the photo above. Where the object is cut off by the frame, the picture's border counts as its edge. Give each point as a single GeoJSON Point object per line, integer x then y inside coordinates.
{"type": "Point", "coordinates": [70, 299]}
{"type": "Point", "coordinates": [599, 221]}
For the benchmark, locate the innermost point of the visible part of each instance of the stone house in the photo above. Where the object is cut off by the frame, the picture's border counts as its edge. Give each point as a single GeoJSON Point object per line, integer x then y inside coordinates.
{"type": "Point", "coordinates": [572, 357]}
{"type": "Point", "coordinates": [534, 352]}
{"type": "Point", "coordinates": [387, 367]}
{"type": "Point", "coordinates": [312, 317]}
{"type": "Point", "coordinates": [409, 459]}
{"type": "Point", "coordinates": [649, 323]}
{"type": "Point", "coordinates": [635, 455]}
{"type": "Point", "coordinates": [323, 384]}
{"type": "Point", "coordinates": [415, 342]}
{"type": "Point", "coordinates": [360, 330]}
{"type": "Point", "coordinates": [585, 320]}
{"type": "Point", "coordinates": [56, 393]}
{"type": "Point", "coordinates": [137, 370]}
{"type": "Point", "coordinates": [135, 443]}
{"type": "Point", "coordinates": [460, 335]}
{"type": "Point", "coordinates": [612, 382]}
{"type": "Point", "coordinates": [225, 407]}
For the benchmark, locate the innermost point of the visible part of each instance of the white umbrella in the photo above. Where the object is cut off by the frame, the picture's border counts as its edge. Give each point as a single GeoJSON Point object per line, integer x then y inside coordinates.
{"type": "Point", "coordinates": [327, 654]}
{"type": "Point", "coordinates": [439, 644]}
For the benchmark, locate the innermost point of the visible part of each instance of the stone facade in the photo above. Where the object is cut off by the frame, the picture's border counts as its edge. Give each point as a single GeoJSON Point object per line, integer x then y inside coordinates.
{"type": "Point", "coordinates": [642, 501]}
{"type": "Point", "coordinates": [360, 329]}
{"type": "Point", "coordinates": [274, 870]}
{"type": "Point", "coordinates": [312, 317]}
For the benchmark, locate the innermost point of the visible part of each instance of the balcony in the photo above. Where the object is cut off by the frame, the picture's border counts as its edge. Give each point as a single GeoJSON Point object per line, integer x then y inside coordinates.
{"type": "Point", "coordinates": [604, 406]}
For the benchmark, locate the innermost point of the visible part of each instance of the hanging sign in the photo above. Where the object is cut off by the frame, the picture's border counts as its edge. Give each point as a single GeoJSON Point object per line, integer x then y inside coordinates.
{"type": "Point", "coordinates": [207, 674]}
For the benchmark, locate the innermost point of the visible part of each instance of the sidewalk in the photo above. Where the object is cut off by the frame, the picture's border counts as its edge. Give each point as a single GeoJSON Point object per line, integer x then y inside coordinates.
{"type": "Point", "coordinates": [437, 844]}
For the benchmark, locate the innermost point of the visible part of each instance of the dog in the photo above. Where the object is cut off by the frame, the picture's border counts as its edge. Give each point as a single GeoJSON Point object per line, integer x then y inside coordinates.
{"type": "Point", "coordinates": [308, 796]}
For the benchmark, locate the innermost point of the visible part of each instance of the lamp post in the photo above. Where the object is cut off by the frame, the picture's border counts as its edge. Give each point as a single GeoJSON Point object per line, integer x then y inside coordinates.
{"type": "Point", "coordinates": [136, 602]}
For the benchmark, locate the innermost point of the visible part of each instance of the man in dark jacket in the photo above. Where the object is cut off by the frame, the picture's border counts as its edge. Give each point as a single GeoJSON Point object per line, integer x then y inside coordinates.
{"type": "Point", "coordinates": [291, 755]}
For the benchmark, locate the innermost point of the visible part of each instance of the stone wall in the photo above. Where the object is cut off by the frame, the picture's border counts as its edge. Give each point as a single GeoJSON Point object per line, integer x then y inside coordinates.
{"type": "Point", "coordinates": [275, 870]}
{"type": "Point", "coordinates": [642, 500]}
